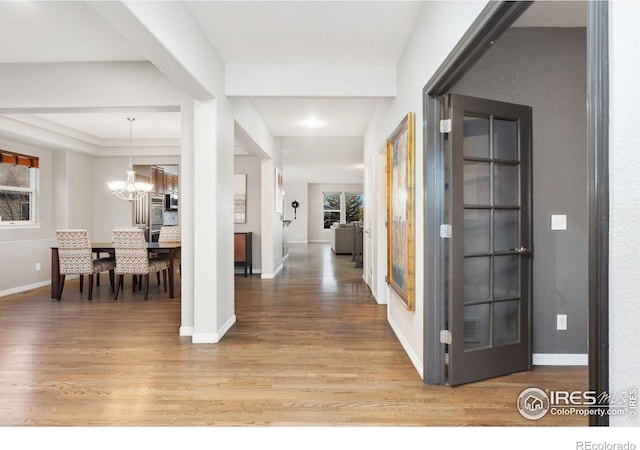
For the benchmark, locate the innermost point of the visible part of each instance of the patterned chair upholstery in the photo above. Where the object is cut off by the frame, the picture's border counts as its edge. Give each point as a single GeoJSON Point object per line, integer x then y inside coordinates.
{"type": "Point", "coordinates": [76, 258]}
{"type": "Point", "coordinates": [132, 258]}
{"type": "Point", "coordinates": [171, 234]}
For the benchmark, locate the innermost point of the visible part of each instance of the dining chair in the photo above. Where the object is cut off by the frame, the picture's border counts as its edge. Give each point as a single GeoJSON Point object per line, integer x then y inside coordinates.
{"type": "Point", "coordinates": [76, 258]}
{"type": "Point", "coordinates": [132, 258]}
{"type": "Point", "coordinates": [171, 235]}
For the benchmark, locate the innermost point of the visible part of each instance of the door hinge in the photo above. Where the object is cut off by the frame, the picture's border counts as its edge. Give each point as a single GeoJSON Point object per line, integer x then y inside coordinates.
{"type": "Point", "coordinates": [445, 126]}
{"type": "Point", "coordinates": [445, 337]}
{"type": "Point", "coordinates": [445, 231]}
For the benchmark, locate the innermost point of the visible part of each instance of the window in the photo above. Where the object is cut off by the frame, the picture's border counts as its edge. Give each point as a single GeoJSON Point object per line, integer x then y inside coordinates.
{"type": "Point", "coordinates": [353, 207]}
{"type": "Point", "coordinates": [342, 207]}
{"type": "Point", "coordinates": [332, 204]}
{"type": "Point", "coordinates": [18, 180]}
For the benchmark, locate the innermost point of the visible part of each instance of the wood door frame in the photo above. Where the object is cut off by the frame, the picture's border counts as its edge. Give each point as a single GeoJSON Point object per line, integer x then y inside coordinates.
{"type": "Point", "coordinates": [496, 18]}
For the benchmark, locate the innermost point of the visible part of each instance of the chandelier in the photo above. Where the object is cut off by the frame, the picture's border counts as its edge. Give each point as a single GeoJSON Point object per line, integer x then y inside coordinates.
{"type": "Point", "coordinates": [130, 189]}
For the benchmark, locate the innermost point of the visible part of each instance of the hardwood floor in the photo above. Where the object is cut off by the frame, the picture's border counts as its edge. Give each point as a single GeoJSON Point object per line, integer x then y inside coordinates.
{"type": "Point", "coordinates": [309, 348]}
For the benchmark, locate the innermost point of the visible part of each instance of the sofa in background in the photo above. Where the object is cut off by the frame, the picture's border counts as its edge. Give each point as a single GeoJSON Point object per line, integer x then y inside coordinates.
{"type": "Point", "coordinates": [342, 236]}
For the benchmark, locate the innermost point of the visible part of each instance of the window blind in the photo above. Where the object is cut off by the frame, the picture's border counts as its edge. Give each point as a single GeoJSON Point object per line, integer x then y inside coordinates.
{"type": "Point", "coordinates": [18, 160]}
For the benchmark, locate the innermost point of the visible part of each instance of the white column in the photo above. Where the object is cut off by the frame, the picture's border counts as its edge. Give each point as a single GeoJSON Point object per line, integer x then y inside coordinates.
{"type": "Point", "coordinates": [207, 218]}
{"type": "Point", "coordinates": [268, 193]}
{"type": "Point", "coordinates": [186, 190]}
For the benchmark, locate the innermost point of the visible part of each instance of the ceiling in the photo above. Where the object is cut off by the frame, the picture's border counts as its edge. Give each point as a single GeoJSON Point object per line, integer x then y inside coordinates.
{"type": "Point", "coordinates": [255, 32]}
{"type": "Point", "coordinates": [307, 32]}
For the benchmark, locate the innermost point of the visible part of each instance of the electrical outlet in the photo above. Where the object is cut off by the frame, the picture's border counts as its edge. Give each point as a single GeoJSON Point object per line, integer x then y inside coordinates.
{"type": "Point", "coordinates": [561, 322]}
{"type": "Point", "coordinates": [38, 267]}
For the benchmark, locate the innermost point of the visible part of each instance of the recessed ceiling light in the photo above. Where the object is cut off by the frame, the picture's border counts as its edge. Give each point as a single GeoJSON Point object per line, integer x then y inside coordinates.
{"type": "Point", "coordinates": [312, 122]}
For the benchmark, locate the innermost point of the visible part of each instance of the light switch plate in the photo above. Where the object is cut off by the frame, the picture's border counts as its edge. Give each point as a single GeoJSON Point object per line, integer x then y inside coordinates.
{"type": "Point", "coordinates": [561, 322]}
{"type": "Point", "coordinates": [558, 221]}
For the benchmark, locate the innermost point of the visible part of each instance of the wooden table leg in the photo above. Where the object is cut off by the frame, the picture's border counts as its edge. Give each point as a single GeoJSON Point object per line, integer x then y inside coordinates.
{"type": "Point", "coordinates": [171, 273]}
{"type": "Point", "coordinates": [55, 273]}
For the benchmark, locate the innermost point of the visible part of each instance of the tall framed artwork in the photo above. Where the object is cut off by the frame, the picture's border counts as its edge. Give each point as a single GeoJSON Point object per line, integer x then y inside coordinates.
{"type": "Point", "coordinates": [279, 192]}
{"type": "Point", "coordinates": [240, 198]}
{"type": "Point", "coordinates": [401, 211]}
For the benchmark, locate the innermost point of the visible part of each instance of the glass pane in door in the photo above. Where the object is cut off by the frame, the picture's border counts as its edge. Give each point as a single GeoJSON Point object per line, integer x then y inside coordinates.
{"type": "Point", "coordinates": [505, 139]}
{"type": "Point", "coordinates": [505, 276]}
{"type": "Point", "coordinates": [505, 229]}
{"type": "Point", "coordinates": [476, 137]}
{"type": "Point", "coordinates": [477, 320]}
{"type": "Point", "coordinates": [477, 231]}
{"type": "Point", "coordinates": [477, 276]}
{"type": "Point", "coordinates": [505, 185]}
{"type": "Point", "coordinates": [505, 322]}
{"type": "Point", "coordinates": [477, 183]}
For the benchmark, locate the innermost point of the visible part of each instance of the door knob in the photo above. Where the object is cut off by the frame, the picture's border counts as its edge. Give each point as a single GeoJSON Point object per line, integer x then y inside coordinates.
{"type": "Point", "coordinates": [521, 250]}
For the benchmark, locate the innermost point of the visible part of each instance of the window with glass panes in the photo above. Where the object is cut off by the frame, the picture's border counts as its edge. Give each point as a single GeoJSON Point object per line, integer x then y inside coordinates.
{"type": "Point", "coordinates": [331, 205]}
{"type": "Point", "coordinates": [342, 207]}
{"type": "Point", "coordinates": [18, 179]}
{"type": "Point", "coordinates": [354, 204]}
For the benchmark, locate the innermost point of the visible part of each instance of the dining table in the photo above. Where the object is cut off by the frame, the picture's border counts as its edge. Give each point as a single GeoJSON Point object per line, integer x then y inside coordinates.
{"type": "Point", "coordinates": [170, 248]}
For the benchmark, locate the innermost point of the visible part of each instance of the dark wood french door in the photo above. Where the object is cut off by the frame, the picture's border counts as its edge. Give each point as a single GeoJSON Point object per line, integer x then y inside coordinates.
{"type": "Point", "coordinates": [490, 245]}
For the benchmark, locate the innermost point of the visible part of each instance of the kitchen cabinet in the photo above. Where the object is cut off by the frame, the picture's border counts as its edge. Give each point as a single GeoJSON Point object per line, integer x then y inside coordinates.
{"type": "Point", "coordinates": [141, 209]}
{"type": "Point", "coordinates": [242, 251]}
{"type": "Point", "coordinates": [170, 183]}
{"type": "Point", "coordinates": [157, 178]}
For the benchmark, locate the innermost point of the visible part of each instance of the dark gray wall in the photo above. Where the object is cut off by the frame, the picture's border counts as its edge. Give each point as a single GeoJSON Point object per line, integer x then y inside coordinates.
{"type": "Point", "coordinates": [546, 68]}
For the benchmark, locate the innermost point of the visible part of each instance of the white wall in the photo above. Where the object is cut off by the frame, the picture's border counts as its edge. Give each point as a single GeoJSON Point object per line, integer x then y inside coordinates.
{"type": "Point", "coordinates": [299, 228]}
{"type": "Point", "coordinates": [437, 31]}
{"type": "Point", "coordinates": [624, 219]}
{"type": "Point", "coordinates": [22, 248]}
{"type": "Point", "coordinates": [317, 233]}
{"type": "Point", "coordinates": [257, 139]}
{"type": "Point", "coordinates": [250, 165]}
{"type": "Point", "coordinates": [81, 187]}
{"type": "Point", "coordinates": [375, 199]}
{"type": "Point", "coordinates": [223, 180]}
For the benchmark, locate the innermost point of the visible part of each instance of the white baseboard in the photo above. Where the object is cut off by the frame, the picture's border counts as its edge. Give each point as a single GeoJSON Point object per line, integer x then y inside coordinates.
{"type": "Point", "coordinates": [271, 276]}
{"type": "Point", "coordinates": [213, 338]}
{"type": "Point", "coordinates": [319, 242]}
{"type": "Point", "coordinates": [186, 331]}
{"type": "Point", "coordinates": [26, 287]}
{"type": "Point", "coordinates": [415, 360]}
{"type": "Point", "coordinates": [560, 359]}
{"type": "Point", "coordinates": [226, 327]}
{"type": "Point", "coordinates": [298, 242]}
{"type": "Point", "coordinates": [241, 271]}
{"type": "Point", "coordinates": [373, 292]}
{"type": "Point", "coordinates": [204, 338]}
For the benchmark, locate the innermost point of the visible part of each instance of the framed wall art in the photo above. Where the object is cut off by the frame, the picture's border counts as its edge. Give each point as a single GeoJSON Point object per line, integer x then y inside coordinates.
{"type": "Point", "coordinates": [400, 211]}
{"type": "Point", "coordinates": [240, 198]}
{"type": "Point", "coordinates": [279, 190]}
